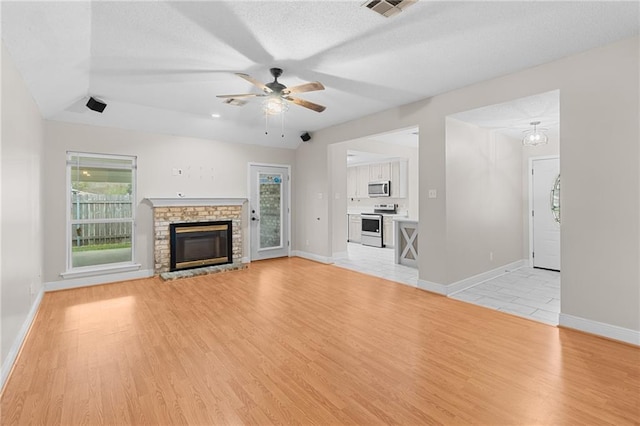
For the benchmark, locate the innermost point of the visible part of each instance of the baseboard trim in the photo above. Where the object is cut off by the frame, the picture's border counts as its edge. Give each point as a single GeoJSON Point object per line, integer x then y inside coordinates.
{"type": "Point", "coordinates": [97, 280]}
{"type": "Point", "coordinates": [311, 256]}
{"type": "Point", "coordinates": [14, 351]}
{"type": "Point", "coordinates": [432, 287]}
{"type": "Point", "coordinates": [450, 289]}
{"type": "Point", "coordinates": [340, 255]}
{"type": "Point", "coordinates": [601, 329]}
{"type": "Point", "coordinates": [484, 276]}
{"type": "Point", "coordinates": [245, 260]}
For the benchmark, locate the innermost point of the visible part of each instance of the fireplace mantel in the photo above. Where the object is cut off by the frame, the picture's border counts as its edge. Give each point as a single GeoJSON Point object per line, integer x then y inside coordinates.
{"type": "Point", "coordinates": [195, 202]}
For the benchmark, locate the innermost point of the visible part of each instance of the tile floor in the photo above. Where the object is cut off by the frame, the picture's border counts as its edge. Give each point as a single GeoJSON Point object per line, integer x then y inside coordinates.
{"type": "Point", "coordinates": [378, 262]}
{"type": "Point", "coordinates": [526, 292]}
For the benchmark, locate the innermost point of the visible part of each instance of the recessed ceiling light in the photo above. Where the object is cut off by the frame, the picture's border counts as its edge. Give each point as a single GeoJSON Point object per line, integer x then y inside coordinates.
{"type": "Point", "coordinates": [214, 115]}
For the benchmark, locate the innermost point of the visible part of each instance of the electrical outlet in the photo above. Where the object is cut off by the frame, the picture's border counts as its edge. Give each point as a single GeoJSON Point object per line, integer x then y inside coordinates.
{"type": "Point", "coordinates": [491, 256]}
{"type": "Point", "coordinates": [433, 193]}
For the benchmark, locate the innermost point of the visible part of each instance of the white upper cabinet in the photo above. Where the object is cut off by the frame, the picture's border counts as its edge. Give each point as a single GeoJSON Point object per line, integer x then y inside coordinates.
{"type": "Point", "coordinates": [380, 171]}
{"type": "Point", "coordinates": [352, 182]}
{"type": "Point", "coordinates": [363, 181]}
{"type": "Point", "coordinates": [399, 179]}
{"type": "Point", "coordinates": [358, 178]}
{"type": "Point", "coordinates": [358, 181]}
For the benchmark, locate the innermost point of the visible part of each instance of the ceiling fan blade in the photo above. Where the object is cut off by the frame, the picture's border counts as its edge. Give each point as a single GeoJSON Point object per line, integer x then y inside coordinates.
{"type": "Point", "coordinates": [254, 82]}
{"type": "Point", "coordinates": [306, 104]}
{"type": "Point", "coordinates": [307, 87]}
{"type": "Point", "coordinates": [244, 95]}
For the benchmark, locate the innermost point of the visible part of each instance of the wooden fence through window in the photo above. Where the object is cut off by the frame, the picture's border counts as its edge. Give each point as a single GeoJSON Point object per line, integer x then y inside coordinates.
{"type": "Point", "coordinates": [97, 207]}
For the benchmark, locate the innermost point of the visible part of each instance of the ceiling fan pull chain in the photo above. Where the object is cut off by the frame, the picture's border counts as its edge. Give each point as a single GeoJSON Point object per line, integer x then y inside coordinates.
{"type": "Point", "coordinates": [282, 115]}
{"type": "Point", "coordinates": [266, 123]}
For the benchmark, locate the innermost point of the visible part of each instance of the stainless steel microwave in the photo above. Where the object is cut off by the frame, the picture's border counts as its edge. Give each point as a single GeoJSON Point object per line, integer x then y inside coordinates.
{"type": "Point", "coordinates": [380, 189]}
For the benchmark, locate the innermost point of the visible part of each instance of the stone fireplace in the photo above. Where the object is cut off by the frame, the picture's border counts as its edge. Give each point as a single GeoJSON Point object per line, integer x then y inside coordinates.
{"type": "Point", "coordinates": [186, 213]}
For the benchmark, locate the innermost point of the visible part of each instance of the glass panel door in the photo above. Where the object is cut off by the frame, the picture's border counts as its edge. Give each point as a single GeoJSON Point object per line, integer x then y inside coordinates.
{"type": "Point", "coordinates": [269, 211]}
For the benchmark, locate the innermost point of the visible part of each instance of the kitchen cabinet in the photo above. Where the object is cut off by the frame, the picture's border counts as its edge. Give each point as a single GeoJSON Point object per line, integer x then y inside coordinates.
{"type": "Point", "coordinates": [380, 171]}
{"type": "Point", "coordinates": [355, 227]}
{"type": "Point", "coordinates": [352, 182]}
{"type": "Point", "coordinates": [387, 231]}
{"type": "Point", "coordinates": [358, 182]}
{"type": "Point", "coordinates": [358, 178]}
{"type": "Point", "coordinates": [362, 181]}
{"type": "Point", "coordinates": [399, 179]}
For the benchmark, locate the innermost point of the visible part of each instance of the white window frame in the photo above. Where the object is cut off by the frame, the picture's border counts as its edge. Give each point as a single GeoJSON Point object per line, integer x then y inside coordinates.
{"type": "Point", "coordinates": [130, 265]}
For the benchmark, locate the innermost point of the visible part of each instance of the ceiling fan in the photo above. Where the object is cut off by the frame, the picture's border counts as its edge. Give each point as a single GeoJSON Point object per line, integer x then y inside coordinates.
{"type": "Point", "coordinates": [279, 92]}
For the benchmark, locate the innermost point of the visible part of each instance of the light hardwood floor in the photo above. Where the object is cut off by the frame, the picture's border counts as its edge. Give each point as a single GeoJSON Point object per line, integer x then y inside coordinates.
{"type": "Point", "coordinates": [291, 341]}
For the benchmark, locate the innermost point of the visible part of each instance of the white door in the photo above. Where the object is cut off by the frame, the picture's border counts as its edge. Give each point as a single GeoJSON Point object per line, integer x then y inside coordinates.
{"type": "Point", "coordinates": [269, 211]}
{"type": "Point", "coordinates": [546, 231]}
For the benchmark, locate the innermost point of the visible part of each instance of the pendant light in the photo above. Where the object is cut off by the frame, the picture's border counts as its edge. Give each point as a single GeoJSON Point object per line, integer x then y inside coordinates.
{"type": "Point", "coordinates": [535, 136]}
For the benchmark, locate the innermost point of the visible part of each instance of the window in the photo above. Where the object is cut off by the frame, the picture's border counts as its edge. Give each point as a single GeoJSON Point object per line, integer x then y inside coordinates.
{"type": "Point", "coordinates": [101, 191]}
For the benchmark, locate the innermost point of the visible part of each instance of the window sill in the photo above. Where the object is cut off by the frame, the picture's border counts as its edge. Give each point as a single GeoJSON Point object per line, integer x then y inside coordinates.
{"type": "Point", "coordinates": [93, 271]}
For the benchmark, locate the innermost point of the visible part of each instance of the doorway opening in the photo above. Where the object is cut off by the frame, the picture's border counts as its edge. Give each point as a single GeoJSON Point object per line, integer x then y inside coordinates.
{"type": "Point", "coordinates": [375, 180]}
{"type": "Point", "coordinates": [489, 186]}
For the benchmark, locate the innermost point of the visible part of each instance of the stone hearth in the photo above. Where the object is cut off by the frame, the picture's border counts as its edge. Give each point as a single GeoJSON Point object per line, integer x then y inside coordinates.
{"type": "Point", "coordinates": [188, 210]}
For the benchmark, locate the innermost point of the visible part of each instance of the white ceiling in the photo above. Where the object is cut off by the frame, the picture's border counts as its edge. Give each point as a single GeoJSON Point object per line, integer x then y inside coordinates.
{"type": "Point", "coordinates": [159, 65]}
{"type": "Point", "coordinates": [514, 117]}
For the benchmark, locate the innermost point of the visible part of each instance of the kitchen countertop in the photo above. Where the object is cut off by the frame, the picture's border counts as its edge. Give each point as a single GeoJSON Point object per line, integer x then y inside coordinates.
{"type": "Point", "coordinates": [399, 214]}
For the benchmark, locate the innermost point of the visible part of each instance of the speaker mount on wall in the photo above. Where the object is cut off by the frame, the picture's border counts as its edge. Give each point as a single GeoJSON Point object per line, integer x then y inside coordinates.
{"type": "Point", "coordinates": [96, 105]}
{"type": "Point", "coordinates": [306, 137]}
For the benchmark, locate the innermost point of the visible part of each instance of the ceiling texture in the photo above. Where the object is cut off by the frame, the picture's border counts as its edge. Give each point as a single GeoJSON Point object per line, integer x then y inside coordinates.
{"type": "Point", "coordinates": [159, 65]}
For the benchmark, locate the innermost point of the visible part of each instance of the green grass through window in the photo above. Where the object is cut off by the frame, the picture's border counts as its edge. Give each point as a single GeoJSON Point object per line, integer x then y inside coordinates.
{"type": "Point", "coordinates": [95, 247]}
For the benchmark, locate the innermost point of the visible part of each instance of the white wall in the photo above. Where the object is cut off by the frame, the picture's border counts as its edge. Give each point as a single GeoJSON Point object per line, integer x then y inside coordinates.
{"type": "Point", "coordinates": [21, 222]}
{"type": "Point", "coordinates": [600, 168]}
{"type": "Point", "coordinates": [210, 169]}
{"type": "Point", "coordinates": [484, 199]}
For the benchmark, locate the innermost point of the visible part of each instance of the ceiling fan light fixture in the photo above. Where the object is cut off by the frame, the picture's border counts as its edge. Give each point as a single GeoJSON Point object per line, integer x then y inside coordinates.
{"type": "Point", "coordinates": [275, 105]}
{"type": "Point", "coordinates": [535, 136]}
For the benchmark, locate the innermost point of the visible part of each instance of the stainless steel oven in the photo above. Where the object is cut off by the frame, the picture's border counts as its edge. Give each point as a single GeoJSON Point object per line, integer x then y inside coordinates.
{"type": "Point", "coordinates": [371, 234]}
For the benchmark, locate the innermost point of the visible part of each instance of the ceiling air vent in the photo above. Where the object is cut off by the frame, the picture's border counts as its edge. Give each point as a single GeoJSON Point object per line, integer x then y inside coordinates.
{"type": "Point", "coordinates": [388, 8]}
{"type": "Point", "coordinates": [234, 102]}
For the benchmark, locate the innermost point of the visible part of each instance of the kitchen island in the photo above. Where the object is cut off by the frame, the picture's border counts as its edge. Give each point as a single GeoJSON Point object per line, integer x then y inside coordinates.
{"type": "Point", "coordinates": [406, 241]}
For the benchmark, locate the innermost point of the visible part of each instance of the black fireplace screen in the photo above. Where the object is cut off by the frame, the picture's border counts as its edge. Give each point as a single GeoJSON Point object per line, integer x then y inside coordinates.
{"type": "Point", "coordinates": [199, 244]}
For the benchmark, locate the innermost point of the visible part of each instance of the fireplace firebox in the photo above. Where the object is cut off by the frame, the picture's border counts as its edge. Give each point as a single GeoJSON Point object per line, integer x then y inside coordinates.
{"type": "Point", "coordinates": [199, 244]}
